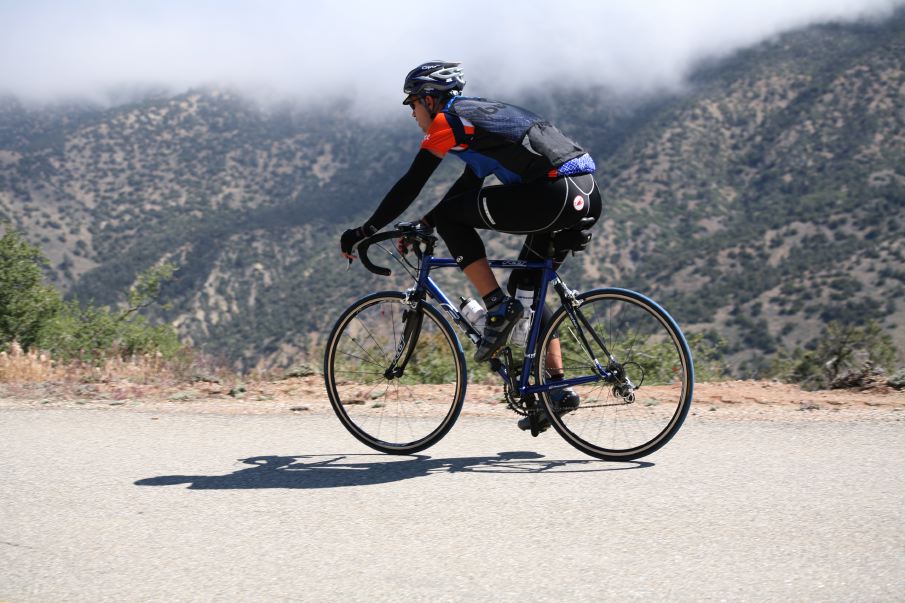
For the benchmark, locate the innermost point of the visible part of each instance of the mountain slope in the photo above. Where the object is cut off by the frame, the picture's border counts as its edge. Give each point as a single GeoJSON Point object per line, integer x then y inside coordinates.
{"type": "Point", "coordinates": [771, 199]}
{"type": "Point", "coordinates": [763, 201]}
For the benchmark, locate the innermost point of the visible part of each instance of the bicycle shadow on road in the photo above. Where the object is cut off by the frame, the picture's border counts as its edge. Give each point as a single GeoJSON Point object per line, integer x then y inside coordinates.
{"type": "Point", "coordinates": [343, 470]}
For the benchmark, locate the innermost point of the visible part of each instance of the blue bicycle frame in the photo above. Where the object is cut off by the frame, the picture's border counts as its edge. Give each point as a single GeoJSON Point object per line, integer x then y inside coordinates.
{"type": "Point", "coordinates": [426, 283]}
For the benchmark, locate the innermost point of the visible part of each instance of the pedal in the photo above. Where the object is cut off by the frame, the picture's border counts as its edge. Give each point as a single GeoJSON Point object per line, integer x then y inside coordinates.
{"type": "Point", "coordinates": [533, 417]}
{"type": "Point", "coordinates": [534, 424]}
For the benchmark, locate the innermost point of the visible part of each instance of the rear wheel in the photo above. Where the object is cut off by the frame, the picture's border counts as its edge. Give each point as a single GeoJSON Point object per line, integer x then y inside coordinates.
{"type": "Point", "coordinates": [395, 374]}
{"type": "Point", "coordinates": [644, 406]}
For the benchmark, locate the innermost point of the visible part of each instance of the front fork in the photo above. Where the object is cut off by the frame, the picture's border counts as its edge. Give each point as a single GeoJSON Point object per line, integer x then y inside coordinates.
{"type": "Point", "coordinates": [412, 317]}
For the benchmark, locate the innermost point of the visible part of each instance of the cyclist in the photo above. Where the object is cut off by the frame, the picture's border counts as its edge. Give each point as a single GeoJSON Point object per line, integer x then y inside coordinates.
{"type": "Point", "coordinates": [547, 186]}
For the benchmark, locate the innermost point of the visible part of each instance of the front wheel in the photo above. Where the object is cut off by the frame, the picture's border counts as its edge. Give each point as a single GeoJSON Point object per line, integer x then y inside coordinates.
{"type": "Point", "coordinates": [395, 374]}
{"type": "Point", "coordinates": [642, 406]}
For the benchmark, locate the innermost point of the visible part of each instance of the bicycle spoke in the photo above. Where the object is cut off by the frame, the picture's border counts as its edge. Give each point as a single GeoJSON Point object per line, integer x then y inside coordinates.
{"type": "Point", "coordinates": [353, 356]}
{"type": "Point", "coordinates": [341, 372]}
{"type": "Point", "coordinates": [371, 359]}
{"type": "Point", "coordinates": [613, 420]}
{"type": "Point", "coordinates": [371, 335]}
{"type": "Point", "coordinates": [406, 411]}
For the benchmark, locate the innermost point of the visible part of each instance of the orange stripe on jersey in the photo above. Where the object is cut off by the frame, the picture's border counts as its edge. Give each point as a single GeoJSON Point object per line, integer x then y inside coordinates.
{"type": "Point", "coordinates": [439, 138]}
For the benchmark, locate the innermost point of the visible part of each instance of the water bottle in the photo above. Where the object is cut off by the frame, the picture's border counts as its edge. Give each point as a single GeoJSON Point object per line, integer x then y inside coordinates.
{"type": "Point", "coordinates": [474, 313]}
{"type": "Point", "coordinates": [519, 335]}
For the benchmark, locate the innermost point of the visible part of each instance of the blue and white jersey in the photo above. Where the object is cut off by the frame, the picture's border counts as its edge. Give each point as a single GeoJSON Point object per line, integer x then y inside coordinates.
{"type": "Point", "coordinates": [512, 143]}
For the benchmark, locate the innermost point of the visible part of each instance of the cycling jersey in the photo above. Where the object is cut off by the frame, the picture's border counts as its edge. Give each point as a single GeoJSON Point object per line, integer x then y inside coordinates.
{"type": "Point", "coordinates": [512, 143]}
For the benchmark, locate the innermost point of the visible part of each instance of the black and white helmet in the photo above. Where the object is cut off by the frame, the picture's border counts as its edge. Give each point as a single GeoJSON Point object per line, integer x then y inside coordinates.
{"type": "Point", "coordinates": [433, 77]}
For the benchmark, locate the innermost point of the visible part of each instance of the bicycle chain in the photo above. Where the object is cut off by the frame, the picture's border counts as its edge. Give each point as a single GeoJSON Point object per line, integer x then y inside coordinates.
{"type": "Point", "coordinates": [517, 406]}
{"type": "Point", "coordinates": [514, 406]}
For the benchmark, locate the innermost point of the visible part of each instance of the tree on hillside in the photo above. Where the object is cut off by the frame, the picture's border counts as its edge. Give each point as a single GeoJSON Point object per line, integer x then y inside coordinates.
{"type": "Point", "coordinates": [33, 314]}
{"type": "Point", "coordinates": [26, 301]}
{"type": "Point", "coordinates": [93, 333]}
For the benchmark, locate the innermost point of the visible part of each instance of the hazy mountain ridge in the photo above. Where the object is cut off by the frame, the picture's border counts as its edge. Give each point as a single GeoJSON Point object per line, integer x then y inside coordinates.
{"type": "Point", "coordinates": [206, 180]}
{"type": "Point", "coordinates": [136, 168]}
{"type": "Point", "coordinates": [770, 201]}
{"type": "Point", "coordinates": [764, 201]}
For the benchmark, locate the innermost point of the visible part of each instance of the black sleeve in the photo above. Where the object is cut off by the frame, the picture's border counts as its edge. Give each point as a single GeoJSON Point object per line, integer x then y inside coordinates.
{"type": "Point", "coordinates": [466, 182]}
{"type": "Point", "coordinates": [404, 192]}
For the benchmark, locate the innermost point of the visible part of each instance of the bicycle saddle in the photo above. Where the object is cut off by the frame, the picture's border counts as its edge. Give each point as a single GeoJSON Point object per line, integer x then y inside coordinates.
{"type": "Point", "coordinates": [573, 239]}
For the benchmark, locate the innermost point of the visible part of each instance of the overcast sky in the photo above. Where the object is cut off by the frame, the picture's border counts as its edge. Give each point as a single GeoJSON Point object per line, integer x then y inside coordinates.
{"type": "Point", "coordinates": [277, 49]}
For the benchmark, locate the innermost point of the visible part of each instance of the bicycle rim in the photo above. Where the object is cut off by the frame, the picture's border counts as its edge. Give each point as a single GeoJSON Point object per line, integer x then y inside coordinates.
{"type": "Point", "coordinates": [402, 414]}
{"type": "Point", "coordinates": [650, 348]}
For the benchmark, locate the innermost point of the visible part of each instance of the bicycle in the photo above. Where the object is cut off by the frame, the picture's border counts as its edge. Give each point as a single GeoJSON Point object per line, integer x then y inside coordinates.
{"type": "Point", "coordinates": [396, 377]}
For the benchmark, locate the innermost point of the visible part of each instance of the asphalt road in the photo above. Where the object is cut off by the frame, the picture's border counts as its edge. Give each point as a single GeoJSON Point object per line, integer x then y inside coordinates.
{"type": "Point", "coordinates": [118, 505]}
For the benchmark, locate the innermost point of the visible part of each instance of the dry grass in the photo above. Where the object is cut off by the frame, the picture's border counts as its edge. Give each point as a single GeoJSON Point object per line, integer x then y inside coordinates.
{"type": "Point", "coordinates": [17, 366]}
{"type": "Point", "coordinates": [151, 382]}
{"type": "Point", "coordinates": [34, 366]}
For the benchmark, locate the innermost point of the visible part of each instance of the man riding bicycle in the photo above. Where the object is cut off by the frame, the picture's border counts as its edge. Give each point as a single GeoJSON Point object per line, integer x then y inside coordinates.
{"type": "Point", "coordinates": [547, 186]}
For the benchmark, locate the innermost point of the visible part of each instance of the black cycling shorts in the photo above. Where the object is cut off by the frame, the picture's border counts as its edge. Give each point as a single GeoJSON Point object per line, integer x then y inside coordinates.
{"type": "Point", "coordinates": [535, 209]}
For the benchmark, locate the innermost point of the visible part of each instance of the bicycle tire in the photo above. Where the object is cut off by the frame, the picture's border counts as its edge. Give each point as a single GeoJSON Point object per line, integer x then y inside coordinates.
{"type": "Point", "coordinates": [648, 343]}
{"type": "Point", "coordinates": [404, 414]}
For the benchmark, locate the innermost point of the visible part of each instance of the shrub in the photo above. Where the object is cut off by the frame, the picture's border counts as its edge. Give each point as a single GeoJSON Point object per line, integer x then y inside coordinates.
{"type": "Point", "coordinates": [26, 302]}
{"type": "Point", "coordinates": [34, 316]}
{"type": "Point", "coordinates": [841, 349]}
{"type": "Point", "coordinates": [94, 333]}
{"type": "Point", "coordinates": [707, 351]}
{"type": "Point", "coordinates": [897, 380]}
